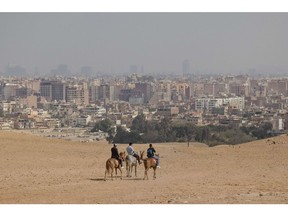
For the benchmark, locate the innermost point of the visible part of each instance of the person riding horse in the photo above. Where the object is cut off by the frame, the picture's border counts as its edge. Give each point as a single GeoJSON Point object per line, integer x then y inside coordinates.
{"type": "Point", "coordinates": [151, 154]}
{"type": "Point", "coordinates": [131, 151]}
{"type": "Point", "coordinates": [115, 154]}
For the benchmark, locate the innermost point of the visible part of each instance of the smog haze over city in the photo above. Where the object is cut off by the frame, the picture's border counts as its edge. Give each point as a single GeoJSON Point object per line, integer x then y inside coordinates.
{"type": "Point", "coordinates": [154, 43]}
{"type": "Point", "coordinates": [73, 82]}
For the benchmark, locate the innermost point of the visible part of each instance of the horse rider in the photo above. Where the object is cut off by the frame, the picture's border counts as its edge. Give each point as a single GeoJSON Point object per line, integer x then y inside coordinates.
{"type": "Point", "coordinates": [115, 154]}
{"type": "Point", "coordinates": [151, 154]}
{"type": "Point", "coordinates": [131, 151]}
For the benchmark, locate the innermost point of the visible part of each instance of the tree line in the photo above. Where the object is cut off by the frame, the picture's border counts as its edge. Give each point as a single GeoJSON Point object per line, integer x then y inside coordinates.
{"type": "Point", "coordinates": [143, 131]}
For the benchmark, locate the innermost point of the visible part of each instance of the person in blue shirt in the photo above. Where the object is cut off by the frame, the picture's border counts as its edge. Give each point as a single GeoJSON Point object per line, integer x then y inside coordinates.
{"type": "Point", "coordinates": [151, 154]}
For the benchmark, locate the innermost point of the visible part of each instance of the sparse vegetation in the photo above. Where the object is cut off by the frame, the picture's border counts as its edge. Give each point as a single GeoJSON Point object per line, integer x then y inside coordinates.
{"type": "Point", "coordinates": [143, 131]}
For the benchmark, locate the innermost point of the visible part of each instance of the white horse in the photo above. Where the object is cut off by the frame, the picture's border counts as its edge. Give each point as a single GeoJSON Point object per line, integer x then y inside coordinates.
{"type": "Point", "coordinates": [131, 162]}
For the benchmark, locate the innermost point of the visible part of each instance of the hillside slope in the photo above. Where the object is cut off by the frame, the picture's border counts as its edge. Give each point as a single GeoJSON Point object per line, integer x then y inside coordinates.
{"type": "Point", "coordinates": [43, 170]}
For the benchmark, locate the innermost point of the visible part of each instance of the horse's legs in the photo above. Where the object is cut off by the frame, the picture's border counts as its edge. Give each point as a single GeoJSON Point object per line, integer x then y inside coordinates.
{"type": "Point", "coordinates": [105, 174]}
{"type": "Point", "coordinates": [136, 171]}
{"type": "Point", "coordinates": [127, 168]}
{"type": "Point", "coordinates": [116, 171]}
{"type": "Point", "coordinates": [112, 170]}
{"type": "Point", "coordinates": [120, 172]}
{"type": "Point", "coordinates": [145, 174]}
{"type": "Point", "coordinates": [154, 176]}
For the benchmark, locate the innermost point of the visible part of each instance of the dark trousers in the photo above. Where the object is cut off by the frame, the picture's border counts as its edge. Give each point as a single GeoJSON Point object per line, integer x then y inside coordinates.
{"type": "Point", "coordinates": [137, 156]}
{"type": "Point", "coordinates": [119, 160]}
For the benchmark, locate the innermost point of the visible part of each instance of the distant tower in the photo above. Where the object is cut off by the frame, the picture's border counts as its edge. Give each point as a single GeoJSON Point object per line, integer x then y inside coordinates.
{"type": "Point", "coordinates": [186, 67]}
{"type": "Point", "coordinates": [86, 71]}
{"type": "Point", "coordinates": [133, 69]}
{"type": "Point", "coordinates": [61, 70]}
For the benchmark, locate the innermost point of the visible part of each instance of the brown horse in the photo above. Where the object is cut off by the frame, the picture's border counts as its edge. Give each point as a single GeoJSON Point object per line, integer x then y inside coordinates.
{"type": "Point", "coordinates": [148, 163]}
{"type": "Point", "coordinates": [113, 164]}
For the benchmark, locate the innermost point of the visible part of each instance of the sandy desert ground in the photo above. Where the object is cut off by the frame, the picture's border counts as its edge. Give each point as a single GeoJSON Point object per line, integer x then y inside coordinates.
{"type": "Point", "coordinates": [37, 170]}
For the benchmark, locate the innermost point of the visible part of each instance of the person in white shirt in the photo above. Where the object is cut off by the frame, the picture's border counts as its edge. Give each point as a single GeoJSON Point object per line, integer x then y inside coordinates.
{"type": "Point", "coordinates": [131, 151]}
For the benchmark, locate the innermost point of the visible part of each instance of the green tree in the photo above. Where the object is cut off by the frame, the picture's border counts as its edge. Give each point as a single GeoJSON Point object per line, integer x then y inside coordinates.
{"type": "Point", "coordinates": [150, 136]}
{"type": "Point", "coordinates": [103, 125]}
{"type": "Point", "coordinates": [261, 132]}
{"type": "Point", "coordinates": [190, 132]}
{"type": "Point", "coordinates": [205, 134]}
{"type": "Point", "coordinates": [106, 126]}
{"type": "Point", "coordinates": [180, 132]}
{"type": "Point", "coordinates": [123, 136]}
{"type": "Point", "coordinates": [139, 124]}
{"type": "Point", "coordinates": [165, 129]}
{"type": "Point", "coordinates": [184, 132]}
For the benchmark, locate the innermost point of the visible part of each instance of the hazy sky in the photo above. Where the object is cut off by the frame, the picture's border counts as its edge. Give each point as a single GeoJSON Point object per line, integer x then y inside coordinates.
{"type": "Point", "coordinates": [213, 42]}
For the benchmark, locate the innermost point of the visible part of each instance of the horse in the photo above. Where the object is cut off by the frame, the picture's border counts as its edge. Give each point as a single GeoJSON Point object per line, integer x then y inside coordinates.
{"type": "Point", "coordinates": [131, 162]}
{"type": "Point", "coordinates": [113, 164]}
{"type": "Point", "coordinates": [148, 163]}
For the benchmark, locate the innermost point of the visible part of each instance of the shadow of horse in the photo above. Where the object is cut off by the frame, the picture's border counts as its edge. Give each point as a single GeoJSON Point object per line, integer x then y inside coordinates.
{"type": "Point", "coordinates": [96, 179]}
{"type": "Point", "coordinates": [133, 179]}
{"type": "Point", "coordinates": [102, 179]}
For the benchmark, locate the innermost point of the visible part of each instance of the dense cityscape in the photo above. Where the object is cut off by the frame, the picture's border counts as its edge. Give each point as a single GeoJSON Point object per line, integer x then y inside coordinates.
{"type": "Point", "coordinates": [143, 106]}
{"type": "Point", "coordinates": [78, 103]}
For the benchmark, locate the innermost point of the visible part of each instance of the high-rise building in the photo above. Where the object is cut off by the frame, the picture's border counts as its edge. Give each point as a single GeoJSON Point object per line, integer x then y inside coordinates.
{"type": "Point", "coordinates": [277, 86]}
{"type": "Point", "coordinates": [61, 70]}
{"type": "Point", "coordinates": [53, 90]}
{"type": "Point", "coordinates": [71, 94]}
{"type": "Point", "coordinates": [10, 90]}
{"type": "Point", "coordinates": [145, 89]}
{"type": "Point", "coordinates": [133, 69]}
{"type": "Point", "coordinates": [46, 90]}
{"type": "Point", "coordinates": [186, 67]}
{"type": "Point", "coordinates": [94, 93]}
{"type": "Point", "coordinates": [15, 70]}
{"type": "Point", "coordinates": [34, 85]}
{"type": "Point", "coordinates": [107, 92]}
{"type": "Point", "coordinates": [86, 71]}
{"type": "Point", "coordinates": [77, 94]}
{"type": "Point", "coordinates": [58, 91]}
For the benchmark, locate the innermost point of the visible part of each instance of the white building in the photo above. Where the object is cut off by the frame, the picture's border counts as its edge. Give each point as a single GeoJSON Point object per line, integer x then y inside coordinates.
{"type": "Point", "coordinates": [277, 123]}
{"type": "Point", "coordinates": [209, 103]}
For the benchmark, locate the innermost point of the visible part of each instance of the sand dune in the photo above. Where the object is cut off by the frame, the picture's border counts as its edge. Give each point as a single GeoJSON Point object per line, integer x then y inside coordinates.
{"type": "Point", "coordinates": [42, 170]}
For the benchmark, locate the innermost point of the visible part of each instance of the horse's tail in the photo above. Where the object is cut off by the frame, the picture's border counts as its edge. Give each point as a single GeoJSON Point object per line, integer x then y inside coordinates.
{"type": "Point", "coordinates": [109, 165]}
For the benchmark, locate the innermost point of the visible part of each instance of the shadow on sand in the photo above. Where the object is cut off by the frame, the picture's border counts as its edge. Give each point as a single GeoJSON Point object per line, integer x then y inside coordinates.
{"type": "Point", "coordinates": [96, 179]}
{"type": "Point", "coordinates": [135, 179]}
{"type": "Point", "coordinates": [118, 177]}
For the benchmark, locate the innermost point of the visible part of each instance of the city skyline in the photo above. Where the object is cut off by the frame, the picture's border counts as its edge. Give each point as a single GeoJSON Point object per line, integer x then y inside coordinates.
{"type": "Point", "coordinates": [154, 42]}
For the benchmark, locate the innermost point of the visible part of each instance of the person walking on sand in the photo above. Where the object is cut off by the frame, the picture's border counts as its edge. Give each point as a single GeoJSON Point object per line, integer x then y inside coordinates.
{"type": "Point", "coordinates": [131, 151]}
